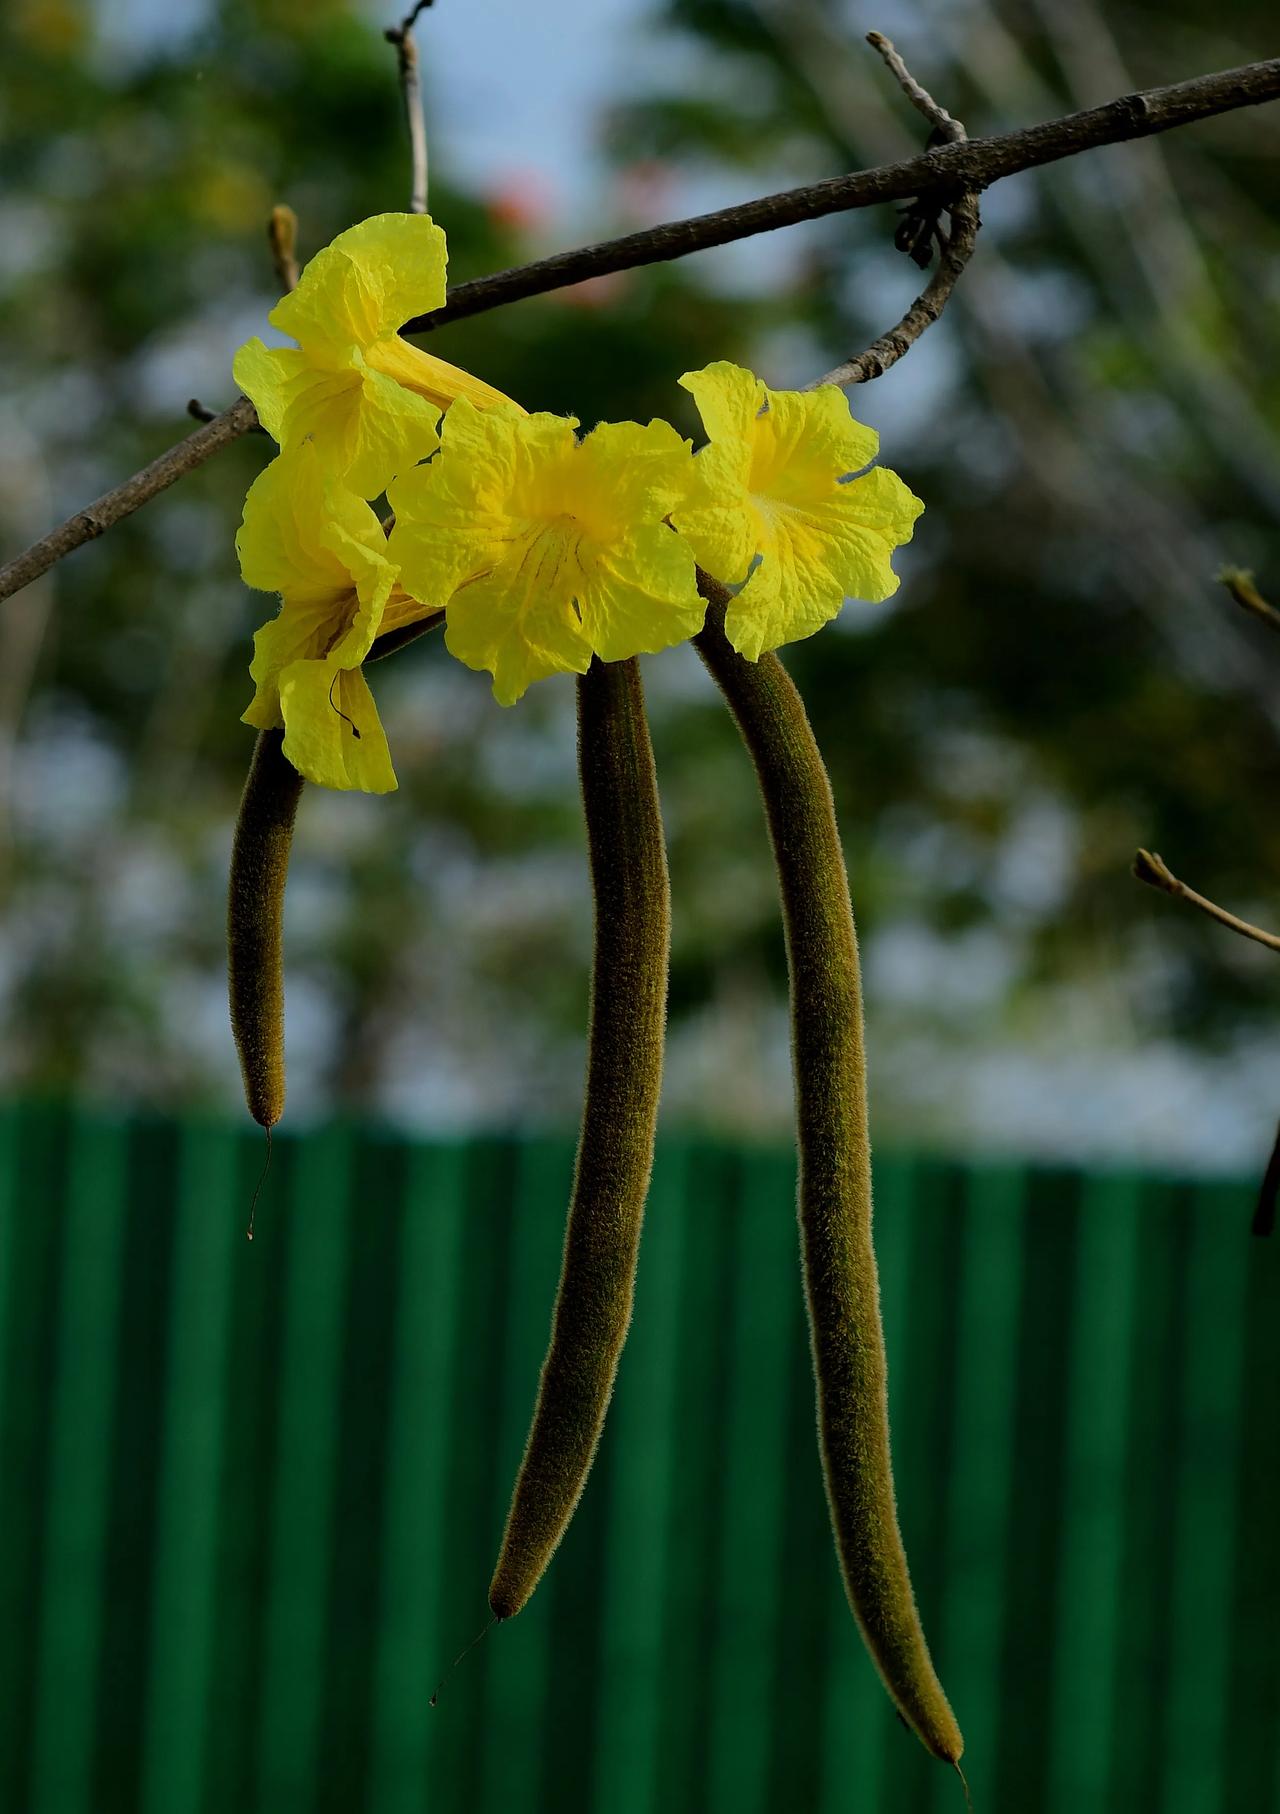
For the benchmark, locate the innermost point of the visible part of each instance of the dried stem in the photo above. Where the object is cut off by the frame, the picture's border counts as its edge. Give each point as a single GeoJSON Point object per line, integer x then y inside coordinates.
{"type": "Point", "coordinates": [949, 129]}
{"type": "Point", "coordinates": [1239, 583]}
{"type": "Point", "coordinates": [952, 169]}
{"type": "Point", "coordinates": [411, 89]}
{"type": "Point", "coordinates": [924, 311]}
{"type": "Point", "coordinates": [1155, 872]}
{"type": "Point", "coordinates": [955, 253]}
{"type": "Point", "coordinates": [282, 237]}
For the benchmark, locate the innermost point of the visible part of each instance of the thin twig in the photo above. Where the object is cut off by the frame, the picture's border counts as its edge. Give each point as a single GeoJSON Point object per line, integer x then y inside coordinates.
{"type": "Point", "coordinates": [950, 169]}
{"type": "Point", "coordinates": [411, 89]}
{"type": "Point", "coordinates": [410, 19]}
{"type": "Point", "coordinates": [392, 641]}
{"type": "Point", "coordinates": [950, 130]}
{"type": "Point", "coordinates": [200, 412]}
{"type": "Point", "coordinates": [1155, 872]}
{"type": "Point", "coordinates": [955, 253]}
{"type": "Point", "coordinates": [282, 237]}
{"type": "Point", "coordinates": [1239, 583]}
{"type": "Point", "coordinates": [924, 311]}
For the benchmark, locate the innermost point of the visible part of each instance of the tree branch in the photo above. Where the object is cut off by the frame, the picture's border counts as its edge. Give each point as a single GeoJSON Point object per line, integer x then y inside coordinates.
{"type": "Point", "coordinates": [1155, 872]}
{"type": "Point", "coordinates": [96, 518]}
{"type": "Point", "coordinates": [956, 249]}
{"type": "Point", "coordinates": [948, 170]}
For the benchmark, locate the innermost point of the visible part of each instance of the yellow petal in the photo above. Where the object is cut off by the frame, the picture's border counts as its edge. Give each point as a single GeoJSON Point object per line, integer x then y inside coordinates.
{"type": "Point", "coordinates": [495, 475]}
{"type": "Point", "coordinates": [818, 553]}
{"type": "Point", "coordinates": [719, 521]}
{"type": "Point", "coordinates": [627, 472]}
{"type": "Point", "coordinates": [804, 439]}
{"type": "Point", "coordinates": [640, 595]}
{"type": "Point", "coordinates": [301, 631]}
{"type": "Point", "coordinates": [323, 550]}
{"type": "Point", "coordinates": [270, 377]}
{"type": "Point", "coordinates": [333, 734]}
{"type": "Point", "coordinates": [365, 426]}
{"type": "Point", "coordinates": [382, 430]}
{"type": "Point", "coordinates": [518, 622]}
{"type": "Point", "coordinates": [367, 283]}
{"type": "Point", "coordinates": [728, 399]}
{"type": "Point", "coordinates": [435, 379]}
{"type": "Point", "coordinates": [280, 542]}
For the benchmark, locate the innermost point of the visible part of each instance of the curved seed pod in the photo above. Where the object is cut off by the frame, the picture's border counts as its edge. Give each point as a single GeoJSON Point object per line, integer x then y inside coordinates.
{"type": "Point", "coordinates": [255, 914]}
{"type": "Point", "coordinates": [841, 1287]}
{"type": "Point", "coordinates": [615, 1148]}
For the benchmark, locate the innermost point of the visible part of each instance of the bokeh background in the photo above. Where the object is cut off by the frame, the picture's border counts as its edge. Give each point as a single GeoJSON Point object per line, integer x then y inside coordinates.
{"type": "Point", "coordinates": [251, 1495]}
{"type": "Point", "coordinates": [1094, 428]}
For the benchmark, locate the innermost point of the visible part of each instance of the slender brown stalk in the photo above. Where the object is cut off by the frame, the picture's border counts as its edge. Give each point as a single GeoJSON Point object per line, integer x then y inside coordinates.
{"type": "Point", "coordinates": [1239, 583]}
{"type": "Point", "coordinates": [282, 237]}
{"type": "Point", "coordinates": [1152, 869]}
{"type": "Point", "coordinates": [834, 1205]}
{"type": "Point", "coordinates": [615, 1149]}
{"type": "Point", "coordinates": [255, 923]}
{"type": "Point", "coordinates": [411, 92]}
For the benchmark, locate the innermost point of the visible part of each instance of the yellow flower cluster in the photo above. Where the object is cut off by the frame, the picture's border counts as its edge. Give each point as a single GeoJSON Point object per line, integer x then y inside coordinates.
{"type": "Point", "coordinates": [542, 549]}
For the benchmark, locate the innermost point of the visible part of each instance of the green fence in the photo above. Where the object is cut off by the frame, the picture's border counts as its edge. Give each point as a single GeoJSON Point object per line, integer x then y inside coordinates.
{"type": "Point", "coordinates": [252, 1494]}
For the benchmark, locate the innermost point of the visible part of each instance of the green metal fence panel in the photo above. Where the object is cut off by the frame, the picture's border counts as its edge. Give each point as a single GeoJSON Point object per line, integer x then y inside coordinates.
{"type": "Point", "coordinates": [253, 1494]}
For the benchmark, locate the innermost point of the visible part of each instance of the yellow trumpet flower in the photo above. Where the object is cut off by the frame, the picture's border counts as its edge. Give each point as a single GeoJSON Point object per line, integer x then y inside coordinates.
{"type": "Point", "coordinates": [324, 551]}
{"type": "Point", "coordinates": [368, 400]}
{"type": "Point", "coordinates": [546, 550]}
{"type": "Point", "coordinates": [774, 482]}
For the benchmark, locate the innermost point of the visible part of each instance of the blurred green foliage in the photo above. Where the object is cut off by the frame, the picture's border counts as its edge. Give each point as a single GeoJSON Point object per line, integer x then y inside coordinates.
{"type": "Point", "coordinates": [1095, 427]}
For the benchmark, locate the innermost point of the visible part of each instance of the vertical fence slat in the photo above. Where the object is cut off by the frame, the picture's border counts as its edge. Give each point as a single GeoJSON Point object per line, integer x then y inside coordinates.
{"type": "Point", "coordinates": [208, 1234]}
{"type": "Point", "coordinates": [1157, 1382]}
{"type": "Point", "coordinates": [981, 1485]}
{"type": "Point", "coordinates": [81, 1426]}
{"type": "Point", "coordinates": [688, 1643]}
{"type": "Point", "coordinates": [518, 1660]}
{"type": "Point", "coordinates": [750, 1587]}
{"type": "Point", "coordinates": [411, 1638]}
{"type": "Point", "coordinates": [1039, 1481]}
{"type": "Point", "coordinates": [303, 1488]}
{"type": "Point", "coordinates": [924, 1440]}
{"type": "Point", "coordinates": [1204, 1504]}
{"type": "Point", "coordinates": [470, 1524]}
{"type": "Point", "coordinates": [640, 1529]}
{"type": "Point", "coordinates": [30, 1325]}
{"type": "Point", "coordinates": [1091, 1607]}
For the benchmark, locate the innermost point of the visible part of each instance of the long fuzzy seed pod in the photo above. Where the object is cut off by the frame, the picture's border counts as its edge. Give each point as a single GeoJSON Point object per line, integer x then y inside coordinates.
{"type": "Point", "coordinates": [255, 915]}
{"type": "Point", "coordinates": [841, 1287]}
{"type": "Point", "coordinates": [615, 1148]}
